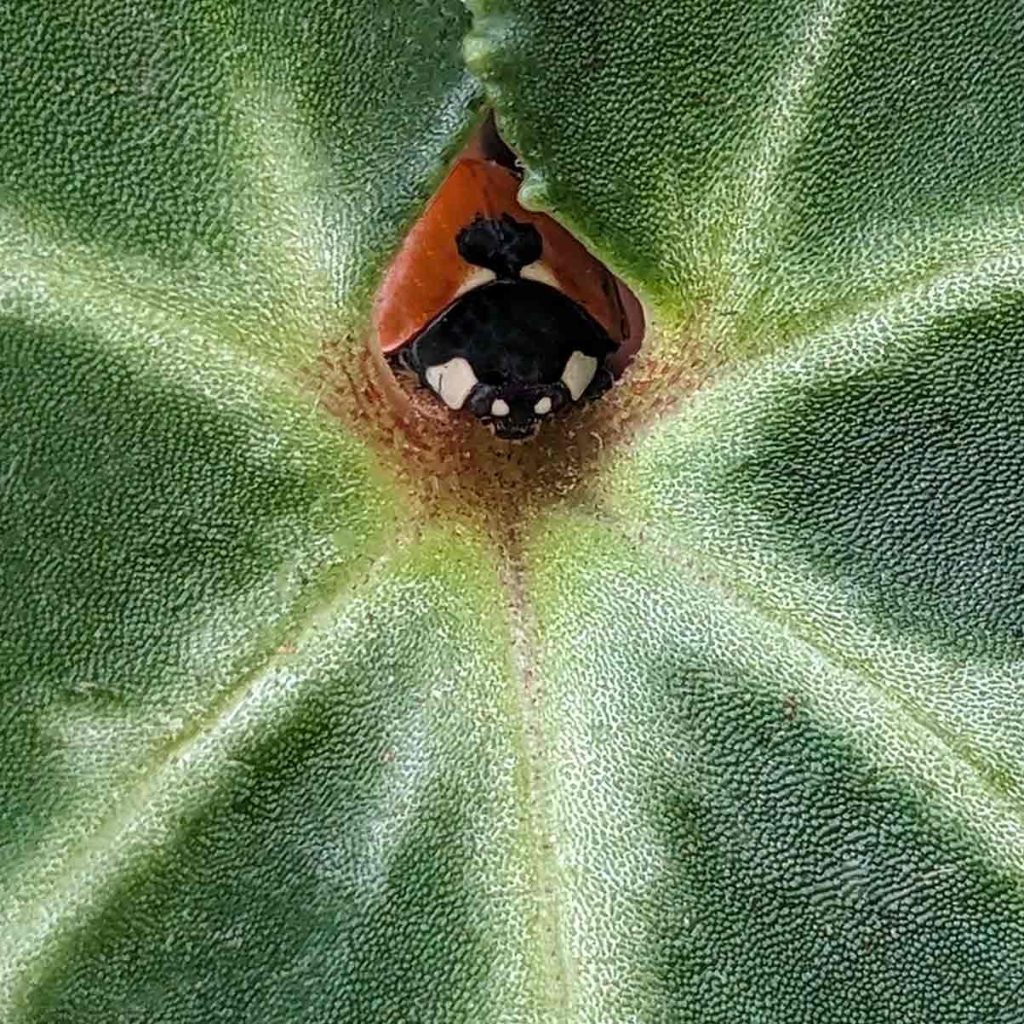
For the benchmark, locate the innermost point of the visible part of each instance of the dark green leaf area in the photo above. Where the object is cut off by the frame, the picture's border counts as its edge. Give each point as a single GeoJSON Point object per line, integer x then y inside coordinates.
{"type": "Point", "coordinates": [344, 846]}
{"type": "Point", "coordinates": [813, 890]}
{"type": "Point", "coordinates": [749, 829]}
{"type": "Point", "coordinates": [909, 479]}
{"type": "Point", "coordinates": [155, 548]}
{"type": "Point", "coordinates": [765, 166]}
{"type": "Point", "coordinates": [833, 888]}
{"type": "Point", "coordinates": [150, 128]}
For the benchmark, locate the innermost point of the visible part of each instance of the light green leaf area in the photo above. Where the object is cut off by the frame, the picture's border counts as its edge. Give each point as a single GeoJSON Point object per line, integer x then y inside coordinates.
{"type": "Point", "coordinates": [733, 732]}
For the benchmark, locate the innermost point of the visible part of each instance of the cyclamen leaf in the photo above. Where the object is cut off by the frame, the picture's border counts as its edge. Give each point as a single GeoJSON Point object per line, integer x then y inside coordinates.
{"type": "Point", "coordinates": [732, 730]}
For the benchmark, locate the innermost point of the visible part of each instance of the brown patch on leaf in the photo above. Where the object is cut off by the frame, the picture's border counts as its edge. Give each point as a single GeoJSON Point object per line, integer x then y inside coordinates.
{"type": "Point", "coordinates": [451, 465]}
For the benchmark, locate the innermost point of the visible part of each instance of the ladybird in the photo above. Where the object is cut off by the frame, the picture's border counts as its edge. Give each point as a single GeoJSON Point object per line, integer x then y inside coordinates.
{"type": "Point", "coordinates": [496, 309]}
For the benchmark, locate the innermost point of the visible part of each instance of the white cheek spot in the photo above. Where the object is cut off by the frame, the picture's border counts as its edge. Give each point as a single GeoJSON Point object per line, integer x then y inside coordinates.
{"type": "Point", "coordinates": [543, 406]}
{"type": "Point", "coordinates": [578, 373]}
{"type": "Point", "coordinates": [477, 277]}
{"type": "Point", "coordinates": [541, 272]}
{"type": "Point", "coordinates": [452, 381]}
{"type": "Point", "coordinates": [499, 407]}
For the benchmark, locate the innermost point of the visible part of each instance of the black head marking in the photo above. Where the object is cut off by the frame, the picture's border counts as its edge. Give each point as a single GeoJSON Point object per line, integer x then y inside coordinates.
{"type": "Point", "coordinates": [503, 246]}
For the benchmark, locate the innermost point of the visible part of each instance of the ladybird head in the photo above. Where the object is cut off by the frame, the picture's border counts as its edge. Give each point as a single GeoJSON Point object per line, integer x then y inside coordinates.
{"type": "Point", "coordinates": [514, 409]}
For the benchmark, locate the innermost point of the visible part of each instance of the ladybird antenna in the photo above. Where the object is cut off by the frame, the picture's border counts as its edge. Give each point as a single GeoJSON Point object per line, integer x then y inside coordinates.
{"type": "Point", "coordinates": [494, 147]}
{"type": "Point", "coordinates": [503, 246]}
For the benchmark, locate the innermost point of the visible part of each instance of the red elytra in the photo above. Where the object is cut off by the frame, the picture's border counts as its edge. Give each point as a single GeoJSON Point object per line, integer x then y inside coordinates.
{"type": "Point", "coordinates": [428, 273]}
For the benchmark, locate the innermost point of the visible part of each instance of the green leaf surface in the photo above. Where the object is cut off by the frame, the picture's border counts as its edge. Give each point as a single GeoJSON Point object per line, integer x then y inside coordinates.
{"type": "Point", "coordinates": [769, 167]}
{"type": "Point", "coordinates": [733, 731]}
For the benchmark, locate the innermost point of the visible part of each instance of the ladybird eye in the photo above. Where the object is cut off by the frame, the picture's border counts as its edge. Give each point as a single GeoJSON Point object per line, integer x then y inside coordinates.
{"type": "Point", "coordinates": [543, 406]}
{"type": "Point", "coordinates": [499, 407]}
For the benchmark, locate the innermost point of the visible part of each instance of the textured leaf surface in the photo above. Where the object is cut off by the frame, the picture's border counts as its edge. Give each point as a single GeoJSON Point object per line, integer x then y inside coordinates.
{"type": "Point", "coordinates": [219, 742]}
{"type": "Point", "coordinates": [770, 167]}
{"type": "Point", "coordinates": [781, 641]}
{"type": "Point", "coordinates": [734, 732]}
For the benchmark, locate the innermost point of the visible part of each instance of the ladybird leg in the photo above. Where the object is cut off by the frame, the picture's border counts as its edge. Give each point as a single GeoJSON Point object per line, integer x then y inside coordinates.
{"type": "Point", "coordinates": [481, 401]}
{"type": "Point", "coordinates": [550, 399]}
{"type": "Point", "coordinates": [601, 382]}
{"type": "Point", "coordinates": [403, 359]}
{"type": "Point", "coordinates": [408, 359]}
